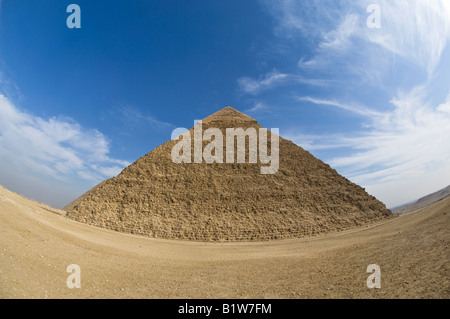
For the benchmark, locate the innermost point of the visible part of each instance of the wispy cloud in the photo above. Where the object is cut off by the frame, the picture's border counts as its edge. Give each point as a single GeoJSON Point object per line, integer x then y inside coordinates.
{"type": "Point", "coordinates": [415, 30]}
{"type": "Point", "coordinates": [353, 108]}
{"type": "Point", "coordinates": [272, 79]}
{"type": "Point", "coordinates": [254, 86]}
{"type": "Point", "coordinates": [340, 38]}
{"type": "Point", "coordinates": [407, 143]}
{"type": "Point", "coordinates": [316, 142]}
{"type": "Point", "coordinates": [132, 117]}
{"type": "Point", "coordinates": [57, 147]}
{"type": "Point", "coordinates": [306, 17]}
{"type": "Point", "coordinates": [445, 107]}
{"type": "Point", "coordinates": [258, 107]}
{"type": "Point", "coordinates": [399, 149]}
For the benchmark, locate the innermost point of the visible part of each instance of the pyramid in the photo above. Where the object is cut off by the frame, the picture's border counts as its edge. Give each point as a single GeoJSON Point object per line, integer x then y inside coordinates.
{"type": "Point", "coordinates": [156, 197]}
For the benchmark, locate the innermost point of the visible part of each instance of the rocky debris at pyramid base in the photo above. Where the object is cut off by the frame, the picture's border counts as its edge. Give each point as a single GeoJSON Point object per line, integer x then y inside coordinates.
{"type": "Point", "coordinates": [156, 197]}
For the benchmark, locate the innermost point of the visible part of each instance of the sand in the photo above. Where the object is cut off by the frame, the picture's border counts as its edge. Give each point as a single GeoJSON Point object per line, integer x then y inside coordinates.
{"type": "Point", "coordinates": [38, 243]}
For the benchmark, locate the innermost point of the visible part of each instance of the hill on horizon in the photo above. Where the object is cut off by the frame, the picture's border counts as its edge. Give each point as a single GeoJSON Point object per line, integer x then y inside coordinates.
{"type": "Point", "coordinates": [423, 201]}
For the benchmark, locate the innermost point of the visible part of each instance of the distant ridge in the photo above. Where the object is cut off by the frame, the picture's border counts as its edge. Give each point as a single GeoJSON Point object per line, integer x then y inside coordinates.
{"type": "Point", "coordinates": [156, 197]}
{"type": "Point", "coordinates": [423, 202]}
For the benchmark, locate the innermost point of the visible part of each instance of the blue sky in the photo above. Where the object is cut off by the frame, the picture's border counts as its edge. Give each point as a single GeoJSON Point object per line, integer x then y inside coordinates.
{"type": "Point", "coordinates": [78, 105]}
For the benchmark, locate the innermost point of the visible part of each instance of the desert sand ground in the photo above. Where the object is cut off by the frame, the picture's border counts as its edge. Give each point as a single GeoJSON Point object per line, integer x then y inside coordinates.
{"type": "Point", "coordinates": [37, 244]}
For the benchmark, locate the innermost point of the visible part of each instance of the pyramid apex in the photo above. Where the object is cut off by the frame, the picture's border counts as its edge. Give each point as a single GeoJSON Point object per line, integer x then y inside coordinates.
{"type": "Point", "coordinates": [228, 114]}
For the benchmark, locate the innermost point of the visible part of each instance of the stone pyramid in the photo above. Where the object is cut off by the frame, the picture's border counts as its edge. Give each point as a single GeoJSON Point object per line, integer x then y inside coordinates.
{"type": "Point", "coordinates": [156, 197]}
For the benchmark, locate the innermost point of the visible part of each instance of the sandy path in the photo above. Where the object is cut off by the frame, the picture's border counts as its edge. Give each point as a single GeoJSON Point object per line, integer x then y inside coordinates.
{"type": "Point", "coordinates": [37, 245]}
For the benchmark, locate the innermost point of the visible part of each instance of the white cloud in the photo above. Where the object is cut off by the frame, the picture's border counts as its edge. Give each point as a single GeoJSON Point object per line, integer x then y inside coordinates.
{"type": "Point", "coordinates": [306, 17]}
{"type": "Point", "coordinates": [272, 79]}
{"type": "Point", "coordinates": [132, 117]}
{"type": "Point", "coordinates": [57, 147]}
{"type": "Point", "coordinates": [353, 108]}
{"type": "Point", "coordinates": [409, 143]}
{"type": "Point", "coordinates": [402, 153]}
{"type": "Point", "coordinates": [415, 30]}
{"type": "Point", "coordinates": [252, 86]}
{"type": "Point", "coordinates": [313, 63]}
{"type": "Point", "coordinates": [445, 107]}
{"type": "Point", "coordinates": [258, 107]}
{"type": "Point", "coordinates": [339, 39]}
{"type": "Point", "coordinates": [312, 142]}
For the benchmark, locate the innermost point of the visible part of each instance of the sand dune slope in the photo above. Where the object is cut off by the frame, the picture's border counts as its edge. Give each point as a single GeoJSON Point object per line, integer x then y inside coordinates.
{"type": "Point", "coordinates": [37, 244]}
